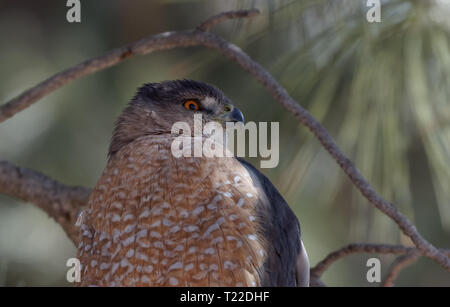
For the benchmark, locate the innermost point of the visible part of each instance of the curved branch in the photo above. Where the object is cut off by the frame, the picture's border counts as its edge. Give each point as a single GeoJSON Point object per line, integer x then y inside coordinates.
{"type": "Point", "coordinates": [197, 37]}
{"type": "Point", "coordinates": [60, 202]}
{"type": "Point", "coordinates": [367, 248]}
{"type": "Point", "coordinates": [163, 41]}
{"type": "Point", "coordinates": [399, 264]}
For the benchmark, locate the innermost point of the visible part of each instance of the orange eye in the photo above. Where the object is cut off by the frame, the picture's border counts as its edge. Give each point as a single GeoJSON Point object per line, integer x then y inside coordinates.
{"type": "Point", "coordinates": [191, 105]}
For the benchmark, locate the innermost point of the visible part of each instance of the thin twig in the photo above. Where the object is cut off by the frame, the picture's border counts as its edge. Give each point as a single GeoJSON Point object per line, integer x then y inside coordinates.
{"type": "Point", "coordinates": [59, 201]}
{"type": "Point", "coordinates": [354, 248]}
{"type": "Point", "coordinates": [170, 40]}
{"type": "Point", "coordinates": [367, 248]}
{"type": "Point", "coordinates": [399, 264]}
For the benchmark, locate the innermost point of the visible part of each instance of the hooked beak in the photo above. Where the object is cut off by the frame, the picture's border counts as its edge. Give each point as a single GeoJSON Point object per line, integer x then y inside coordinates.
{"type": "Point", "coordinates": [234, 115]}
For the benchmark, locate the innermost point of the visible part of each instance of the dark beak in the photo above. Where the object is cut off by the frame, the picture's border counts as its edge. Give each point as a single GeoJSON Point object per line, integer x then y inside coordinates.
{"type": "Point", "coordinates": [234, 115]}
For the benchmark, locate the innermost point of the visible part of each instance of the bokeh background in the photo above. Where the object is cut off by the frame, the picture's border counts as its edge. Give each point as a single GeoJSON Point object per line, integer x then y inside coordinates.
{"type": "Point", "coordinates": [381, 89]}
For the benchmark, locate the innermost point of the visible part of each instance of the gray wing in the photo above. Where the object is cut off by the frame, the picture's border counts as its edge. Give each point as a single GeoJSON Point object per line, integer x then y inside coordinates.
{"type": "Point", "coordinates": [287, 262]}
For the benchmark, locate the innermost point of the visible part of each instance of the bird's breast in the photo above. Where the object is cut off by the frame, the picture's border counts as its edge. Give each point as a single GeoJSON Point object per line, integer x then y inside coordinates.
{"type": "Point", "coordinates": [157, 220]}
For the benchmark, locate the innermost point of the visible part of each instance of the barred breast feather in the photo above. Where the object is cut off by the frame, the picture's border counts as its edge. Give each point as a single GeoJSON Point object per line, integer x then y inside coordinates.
{"type": "Point", "coordinates": [157, 220]}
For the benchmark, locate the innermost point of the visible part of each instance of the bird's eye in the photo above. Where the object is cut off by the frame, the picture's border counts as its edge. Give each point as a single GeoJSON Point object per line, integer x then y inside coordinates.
{"type": "Point", "coordinates": [228, 108]}
{"type": "Point", "coordinates": [191, 105]}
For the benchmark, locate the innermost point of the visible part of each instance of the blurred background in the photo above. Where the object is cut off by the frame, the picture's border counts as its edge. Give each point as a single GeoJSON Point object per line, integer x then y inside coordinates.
{"type": "Point", "coordinates": [381, 89]}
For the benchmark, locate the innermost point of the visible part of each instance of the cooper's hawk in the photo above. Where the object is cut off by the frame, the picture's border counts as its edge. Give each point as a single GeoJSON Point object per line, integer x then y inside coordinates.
{"type": "Point", "coordinates": [157, 220]}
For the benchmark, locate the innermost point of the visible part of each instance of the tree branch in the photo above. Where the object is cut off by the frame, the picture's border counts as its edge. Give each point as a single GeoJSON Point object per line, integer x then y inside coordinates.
{"type": "Point", "coordinates": [355, 248]}
{"type": "Point", "coordinates": [199, 37]}
{"type": "Point", "coordinates": [163, 41]}
{"type": "Point", "coordinates": [60, 202]}
{"type": "Point", "coordinates": [399, 264]}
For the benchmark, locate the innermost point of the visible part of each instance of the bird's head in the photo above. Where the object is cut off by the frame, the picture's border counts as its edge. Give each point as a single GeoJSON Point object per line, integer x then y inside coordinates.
{"type": "Point", "coordinates": [156, 107]}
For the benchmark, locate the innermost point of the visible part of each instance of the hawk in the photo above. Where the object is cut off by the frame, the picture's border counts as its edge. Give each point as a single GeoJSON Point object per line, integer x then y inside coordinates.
{"type": "Point", "coordinates": [158, 220]}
